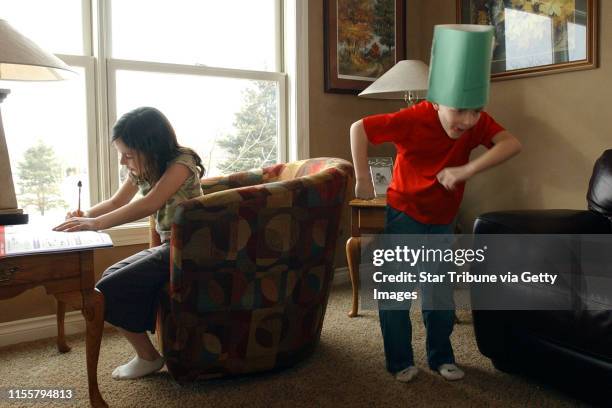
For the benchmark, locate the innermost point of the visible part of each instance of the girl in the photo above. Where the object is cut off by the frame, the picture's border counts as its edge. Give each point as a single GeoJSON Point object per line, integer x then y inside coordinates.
{"type": "Point", "coordinates": [166, 174]}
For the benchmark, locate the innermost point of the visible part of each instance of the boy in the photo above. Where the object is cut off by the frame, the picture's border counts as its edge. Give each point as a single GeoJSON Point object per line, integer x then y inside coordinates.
{"type": "Point", "coordinates": [433, 140]}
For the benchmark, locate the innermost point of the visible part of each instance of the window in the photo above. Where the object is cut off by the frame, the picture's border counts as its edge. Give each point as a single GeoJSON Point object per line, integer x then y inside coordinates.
{"type": "Point", "coordinates": [238, 34]}
{"type": "Point", "coordinates": [232, 102]}
{"type": "Point", "coordinates": [45, 125]}
{"type": "Point", "coordinates": [214, 68]}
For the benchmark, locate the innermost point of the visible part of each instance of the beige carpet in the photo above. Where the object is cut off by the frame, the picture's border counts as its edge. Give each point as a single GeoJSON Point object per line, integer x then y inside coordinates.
{"type": "Point", "coordinates": [346, 370]}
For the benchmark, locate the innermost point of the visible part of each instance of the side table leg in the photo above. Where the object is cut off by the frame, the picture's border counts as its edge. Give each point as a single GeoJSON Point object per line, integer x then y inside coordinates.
{"type": "Point", "coordinates": [62, 346]}
{"type": "Point", "coordinates": [353, 248]}
{"type": "Point", "coordinates": [93, 311]}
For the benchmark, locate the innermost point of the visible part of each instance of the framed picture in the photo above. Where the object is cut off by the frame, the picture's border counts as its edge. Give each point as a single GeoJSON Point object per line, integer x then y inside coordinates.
{"type": "Point", "coordinates": [381, 170]}
{"type": "Point", "coordinates": [363, 39]}
{"type": "Point", "coordinates": [534, 37]}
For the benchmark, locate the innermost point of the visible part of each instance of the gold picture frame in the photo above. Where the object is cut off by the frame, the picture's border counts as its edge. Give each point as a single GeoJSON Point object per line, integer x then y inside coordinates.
{"type": "Point", "coordinates": [363, 39]}
{"type": "Point", "coordinates": [536, 37]}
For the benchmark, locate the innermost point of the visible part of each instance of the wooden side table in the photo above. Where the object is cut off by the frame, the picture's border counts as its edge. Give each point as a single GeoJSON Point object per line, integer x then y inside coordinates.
{"type": "Point", "coordinates": [69, 276]}
{"type": "Point", "coordinates": [367, 217]}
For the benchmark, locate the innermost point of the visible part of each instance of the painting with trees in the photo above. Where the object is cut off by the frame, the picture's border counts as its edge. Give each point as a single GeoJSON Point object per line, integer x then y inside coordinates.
{"type": "Point", "coordinates": [364, 39]}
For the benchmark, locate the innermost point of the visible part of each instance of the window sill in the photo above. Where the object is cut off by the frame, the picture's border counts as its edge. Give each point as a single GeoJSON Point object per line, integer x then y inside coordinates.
{"type": "Point", "coordinates": [131, 234]}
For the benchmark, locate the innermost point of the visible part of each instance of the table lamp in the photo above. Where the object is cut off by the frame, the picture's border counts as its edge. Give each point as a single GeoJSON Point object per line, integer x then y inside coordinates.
{"type": "Point", "coordinates": [20, 60]}
{"type": "Point", "coordinates": [406, 80]}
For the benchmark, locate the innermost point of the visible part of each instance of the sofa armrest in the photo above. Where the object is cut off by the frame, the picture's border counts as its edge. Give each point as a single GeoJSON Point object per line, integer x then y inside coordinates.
{"type": "Point", "coordinates": [242, 179]}
{"type": "Point", "coordinates": [236, 180]}
{"type": "Point", "coordinates": [542, 222]}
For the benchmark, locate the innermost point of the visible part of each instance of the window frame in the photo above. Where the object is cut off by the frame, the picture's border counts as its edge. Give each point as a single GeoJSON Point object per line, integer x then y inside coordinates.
{"type": "Point", "coordinates": [109, 163]}
{"type": "Point", "coordinates": [114, 65]}
{"type": "Point", "coordinates": [87, 63]}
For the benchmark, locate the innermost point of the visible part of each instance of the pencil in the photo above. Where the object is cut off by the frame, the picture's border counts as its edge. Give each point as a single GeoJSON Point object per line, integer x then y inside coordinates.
{"type": "Point", "coordinates": [79, 185]}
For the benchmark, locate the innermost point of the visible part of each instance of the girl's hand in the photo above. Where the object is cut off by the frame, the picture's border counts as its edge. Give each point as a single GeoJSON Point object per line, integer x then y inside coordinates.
{"type": "Point", "coordinates": [76, 213]}
{"type": "Point", "coordinates": [450, 177]}
{"type": "Point", "coordinates": [78, 224]}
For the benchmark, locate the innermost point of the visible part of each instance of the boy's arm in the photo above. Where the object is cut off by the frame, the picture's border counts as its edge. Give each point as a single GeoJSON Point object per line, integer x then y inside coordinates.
{"type": "Point", "coordinates": [359, 148]}
{"type": "Point", "coordinates": [505, 145]}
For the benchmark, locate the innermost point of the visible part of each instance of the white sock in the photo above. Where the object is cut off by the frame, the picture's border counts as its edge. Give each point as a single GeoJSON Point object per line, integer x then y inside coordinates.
{"type": "Point", "coordinates": [451, 372]}
{"type": "Point", "coordinates": [137, 368]}
{"type": "Point", "coordinates": [407, 374]}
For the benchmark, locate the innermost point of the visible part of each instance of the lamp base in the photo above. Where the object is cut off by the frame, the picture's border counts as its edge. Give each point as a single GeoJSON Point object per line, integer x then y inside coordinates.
{"type": "Point", "coordinates": [13, 219]}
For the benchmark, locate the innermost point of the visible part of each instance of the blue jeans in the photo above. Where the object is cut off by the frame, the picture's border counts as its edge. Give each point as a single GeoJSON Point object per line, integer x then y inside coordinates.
{"type": "Point", "coordinates": [396, 325]}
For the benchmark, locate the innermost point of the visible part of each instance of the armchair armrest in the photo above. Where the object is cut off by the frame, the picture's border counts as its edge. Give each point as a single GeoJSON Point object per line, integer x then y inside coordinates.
{"type": "Point", "coordinates": [542, 222]}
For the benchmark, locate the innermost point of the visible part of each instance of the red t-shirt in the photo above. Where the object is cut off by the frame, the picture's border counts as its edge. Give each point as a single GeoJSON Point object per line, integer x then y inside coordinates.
{"type": "Point", "coordinates": [423, 150]}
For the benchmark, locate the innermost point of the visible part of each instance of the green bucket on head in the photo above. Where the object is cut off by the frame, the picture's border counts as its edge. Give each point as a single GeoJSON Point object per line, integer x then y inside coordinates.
{"type": "Point", "coordinates": [460, 66]}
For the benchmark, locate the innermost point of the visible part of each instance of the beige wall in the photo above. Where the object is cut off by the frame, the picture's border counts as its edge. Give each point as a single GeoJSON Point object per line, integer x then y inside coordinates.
{"type": "Point", "coordinates": [563, 122]}
{"type": "Point", "coordinates": [561, 119]}
{"type": "Point", "coordinates": [35, 302]}
{"type": "Point", "coordinates": [331, 115]}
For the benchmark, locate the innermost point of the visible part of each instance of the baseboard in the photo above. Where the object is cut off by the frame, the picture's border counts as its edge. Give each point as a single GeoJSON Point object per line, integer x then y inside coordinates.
{"type": "Point", "coordinates": [39, 328]}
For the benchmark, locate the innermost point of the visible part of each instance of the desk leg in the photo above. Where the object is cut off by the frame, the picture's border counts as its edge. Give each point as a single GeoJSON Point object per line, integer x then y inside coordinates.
{"type": "Point", "coordinates": [62, 346]}
{"type": "Point", "coordinates": [353, 248]}
{"type": "Point", "coordinates": [93, 311]}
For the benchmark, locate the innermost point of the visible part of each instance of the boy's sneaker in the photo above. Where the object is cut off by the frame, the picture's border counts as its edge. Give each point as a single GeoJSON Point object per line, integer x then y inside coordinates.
{"type": "Point", "coordinates": [451, 372]}
{"type": "Point", "coordinates": [407, 374]}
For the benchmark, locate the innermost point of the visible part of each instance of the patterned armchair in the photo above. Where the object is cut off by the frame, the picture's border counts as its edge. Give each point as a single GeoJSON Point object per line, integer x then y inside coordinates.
{"type": "Point", "coordinates": [252, 264]}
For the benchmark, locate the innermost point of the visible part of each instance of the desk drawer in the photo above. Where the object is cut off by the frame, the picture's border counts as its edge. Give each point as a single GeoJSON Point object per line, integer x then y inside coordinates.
{"type": "Point", "coordinates": [30, 269]}
{"type": "Point", "coordinates": [372, 218]}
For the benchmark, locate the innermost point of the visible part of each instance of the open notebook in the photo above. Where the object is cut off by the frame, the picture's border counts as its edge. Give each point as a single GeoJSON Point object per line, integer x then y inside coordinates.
{"type": "Point", "coordinates": [28, 239]}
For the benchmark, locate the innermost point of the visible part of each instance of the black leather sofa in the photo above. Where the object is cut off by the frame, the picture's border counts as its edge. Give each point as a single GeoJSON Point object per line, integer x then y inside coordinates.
{"type": "Point", "coordinates": [571, 349]}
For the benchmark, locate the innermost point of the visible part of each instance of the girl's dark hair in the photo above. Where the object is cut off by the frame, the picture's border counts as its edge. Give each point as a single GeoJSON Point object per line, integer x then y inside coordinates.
{"type": "Point", "coordinates": [147, 131]}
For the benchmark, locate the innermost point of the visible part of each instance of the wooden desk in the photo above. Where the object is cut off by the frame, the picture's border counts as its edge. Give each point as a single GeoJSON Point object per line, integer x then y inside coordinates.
{"type": "Point", "coordinates": [367, 217]}
{"type": "Point", "coordinates": [69, 276]}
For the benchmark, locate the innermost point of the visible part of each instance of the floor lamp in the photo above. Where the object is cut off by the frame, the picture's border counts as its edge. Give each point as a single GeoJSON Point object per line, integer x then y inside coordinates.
{"type": "Point", "coordinates": [20, 60]}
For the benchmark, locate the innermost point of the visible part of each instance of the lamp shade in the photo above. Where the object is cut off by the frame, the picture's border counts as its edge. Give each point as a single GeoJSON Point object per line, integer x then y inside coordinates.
{"type": "Point", "coordinates": [22, 60]}
{"type": "Point", "coordinates": [461, 65]}
{"type": "Point", "coordinates": [404, 77]}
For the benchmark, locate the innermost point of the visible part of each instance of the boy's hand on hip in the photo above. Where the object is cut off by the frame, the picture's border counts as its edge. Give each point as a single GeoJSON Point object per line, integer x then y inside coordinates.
{"type": "Point", "coordinates": [364, 189]}
{"type": "Point", "coordinates": [450, 177]}
{"type": "Point", "coordinates": [78, 224]}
